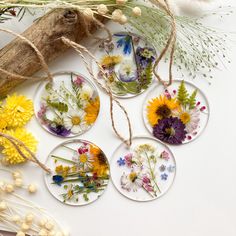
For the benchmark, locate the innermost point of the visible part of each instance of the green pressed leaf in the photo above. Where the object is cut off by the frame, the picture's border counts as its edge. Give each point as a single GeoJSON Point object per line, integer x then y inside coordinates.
{"type": "Point", "coordinates": [192, 100]}
{"type": "Point", "coordinates": [85, 196]}
{"type": "Point", "coordinates": [182, 94]}
{"type": "Point", "coordinates": [60, 106]}
{"type": "Point", "coordinates": [132, 87]}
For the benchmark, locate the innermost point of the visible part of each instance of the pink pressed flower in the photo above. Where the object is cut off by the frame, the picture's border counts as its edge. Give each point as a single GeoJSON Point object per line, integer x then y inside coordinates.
{"type": "Point", "coordinates": [198, 103]}
{"type": "Point", "coordinates": [42, 111]}
{"type": "Point", "coordinates": [167, 94]}
{"type": "Point", "coordinates": [82, 150]}
{"type": "Point", "coordinates": [79, 81]}
{"type": "Point", "coordinates": [203, 108]}
{"type": "Point", "coordinates": [146, 180]}
{"type": "Point", "coordinates": [149, 188]}
{"type": "Point", "coordinates": [165, 155]}
{"type": "Point", "coordinates": [128, 159]}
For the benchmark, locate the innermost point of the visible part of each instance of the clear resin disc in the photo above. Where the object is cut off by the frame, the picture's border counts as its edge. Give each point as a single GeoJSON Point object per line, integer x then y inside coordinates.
{"type": "Point", "coordinates": [177, 114]}
{"type": "Point", "coordinates": [145, 171]}
{"type": "Point", "coordinates": [67, 106]}
{"type": "Point", "coordinates": [80, 172]}
{"type": "Point", "coordinates": [128, 62]}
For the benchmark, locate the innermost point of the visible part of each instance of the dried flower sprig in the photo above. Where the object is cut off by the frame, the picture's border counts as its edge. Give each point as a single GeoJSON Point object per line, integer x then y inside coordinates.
{"type": "Point", "coordinates": [22, 216]}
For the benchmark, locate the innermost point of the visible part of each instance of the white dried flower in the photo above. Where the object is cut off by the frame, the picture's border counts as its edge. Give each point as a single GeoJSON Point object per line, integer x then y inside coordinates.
{"type": "Point", "coordinates": [42, 222]}
{"type": "Point", "coordinates": [18, 182]}
{"type": "Point", "coordinates": [3, 206]}
{"type": "Point", "coordinates": [116, 15]}
{"type": "Point", "coordinates": [43, 232]}
{"type": "Point", "coordinates": [29, 218]}
{"type": "Point", "coordinates": [123, 20]}
{"type": "Point", "coordinates": [102, 9]}
{"type": "Point", "coordinates": [9, 188]}
{"type": "Point", "coordinates": [16, 219]}
{"type": "Point", "coordinates": [88, 13]}
{"type": "Point", "coordinates": [25, 227]}
{"type": "Point", "coordinates": [32, 188]}
{"type": "Point", "coordinates": [49, 225]}
{"type": "Point", "coordinates": [16, 174]}
{"type": "Point", "coordinates": [20, 233]}
{"type": "Point", "coordinates": [137, 11]}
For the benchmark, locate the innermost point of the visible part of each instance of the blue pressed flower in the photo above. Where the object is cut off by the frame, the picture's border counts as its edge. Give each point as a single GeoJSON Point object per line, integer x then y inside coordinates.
{"type": "Point", "coordinates": [121, 161]}
{"type": "Point", "coordinates": [57, 179]}
{"type": "Point", "coordinates": [164, 176]}
{"type": "Point", "coordinates": [125, 42]}
{"type": "Point", "coordinates": [171, 168]}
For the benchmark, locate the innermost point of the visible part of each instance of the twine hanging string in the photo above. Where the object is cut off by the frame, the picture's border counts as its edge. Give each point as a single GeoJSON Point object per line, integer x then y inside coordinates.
{"type": "Point", "coordinates": [37, 52]}
{"type": "Point", "coordinates": [79, 48]}
{"type": "Point", "coordinates": [169, 44]}
{"type": "Point", "coordinates": [17, 144]}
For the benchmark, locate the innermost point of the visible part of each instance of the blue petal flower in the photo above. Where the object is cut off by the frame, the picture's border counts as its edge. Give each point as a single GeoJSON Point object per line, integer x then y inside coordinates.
{"type": "Point", "coordinates": [164, 176]}
{"type": "Point", "coordinates": [121, 162]}
{"type": "Point", "coordinates": [57, 179]}
{"type": "Point", "coordinates": [125, 41]}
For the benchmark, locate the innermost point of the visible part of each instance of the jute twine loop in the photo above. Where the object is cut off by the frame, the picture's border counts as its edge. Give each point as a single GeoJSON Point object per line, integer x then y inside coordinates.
{"type": "Point", "coordinates": [170, 43]}
{"type": "Point", "coordinates": [38, 53]}
{"type": "Point", "coordinates": [79, 48]}
{"type": "Point", "coordinates": [99, 24]}
{"type": "Point", "coordinates": [17, 144]}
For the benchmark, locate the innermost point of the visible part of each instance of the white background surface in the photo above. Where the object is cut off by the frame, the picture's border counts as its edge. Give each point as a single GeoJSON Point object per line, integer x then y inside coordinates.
{"type": "Point", "coordinates": [202, 200]}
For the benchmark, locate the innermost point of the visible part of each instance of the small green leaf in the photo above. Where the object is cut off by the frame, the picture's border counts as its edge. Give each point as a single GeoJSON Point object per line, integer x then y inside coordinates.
{"type": "Point", "coordinates": [192, 100]}
{"type": "Point", "coordinates": [60, 106]}
{"type": "Point", "coordinates": [182, 94]}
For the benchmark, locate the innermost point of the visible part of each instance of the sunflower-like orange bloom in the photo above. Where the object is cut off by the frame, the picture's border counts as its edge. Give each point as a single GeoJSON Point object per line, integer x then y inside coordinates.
{"type": "Point", "coordinates": [100, 164]}
{"type": "Point", "coordinates": [92, 110]}
{"type": "Point", "coordinates": [159, 108]}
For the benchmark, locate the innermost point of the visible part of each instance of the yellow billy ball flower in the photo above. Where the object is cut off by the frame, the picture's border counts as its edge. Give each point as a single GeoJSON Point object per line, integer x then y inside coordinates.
{"type": "Point", "coordinates": [18, 110]}
{"type": "Point", "coordinates": [10, 154]}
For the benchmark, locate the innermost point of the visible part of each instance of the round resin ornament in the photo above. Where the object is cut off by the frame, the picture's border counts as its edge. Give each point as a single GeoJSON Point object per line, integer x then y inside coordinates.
{"type": "Point", "coordinates": [145, 171]}
{"type": "Point", "coordinates": [80, 172]}
{"type": "Point", "coordinates": [177, 114]}
{"type": "Point", "coordinates": [68, 105]}
{"type": "Point", "coordinates": [127, 61]}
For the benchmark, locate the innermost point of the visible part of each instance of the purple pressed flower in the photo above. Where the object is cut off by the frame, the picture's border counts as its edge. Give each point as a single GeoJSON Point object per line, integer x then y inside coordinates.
{"type": "Point", "coordinates": [146, 180]}
{"type": "Point", "coordinates": [145, 56]}
{"type": "Point", "coordinates": [121, 161]}
{"type": "Point", "coordinates": [164, 176]}
{"type": "Point", "coordinates": [162, 168]}
{"type": "Point", "coordinates": [170, 130]}
{"type": "Point", "coordinates": [59, 130]}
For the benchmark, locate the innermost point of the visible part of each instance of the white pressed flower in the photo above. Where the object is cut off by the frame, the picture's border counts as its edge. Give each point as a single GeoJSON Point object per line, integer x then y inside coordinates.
{"type": "Point", "coordinates": [190, 118]}
{"type": "Point", "coordinates": [9, 188]}
{"type": "Point", "coordinates": [84, 160]}
{"type": "Point", "coordinates": [102, 9]}
{"type": "Point", "coordinates": [131, 182]}
{"type": "Point", "coordinates": [127, 71]}
{"type": "Point", "coordinates": [86, 93]}
{"type": "Point", "coordinates": [18, 182]}
{"type": "Point", "coordinates": [137, 11]}
{"type": "Point", "coordinates": [3, 206]}
{"type": "Point", "coordinates": [74, 121]}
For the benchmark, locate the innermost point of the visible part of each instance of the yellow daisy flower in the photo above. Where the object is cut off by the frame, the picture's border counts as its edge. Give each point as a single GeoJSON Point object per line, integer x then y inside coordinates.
{"type": "Point", "coordinates": [159, 108]}
{"type": "Point", "coordinates": [18, 109]}
{"type": "Point", "coordinates": [92, 110]}
{"type": "Point", "coordinates": [11, 155]}
{"type": "Point", "coordinates": [111, 60]}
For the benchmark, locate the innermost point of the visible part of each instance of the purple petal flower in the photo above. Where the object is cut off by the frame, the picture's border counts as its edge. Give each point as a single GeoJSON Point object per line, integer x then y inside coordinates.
{"type": "Point", "coordinates": [121, 161]}
{"type": "Point", "coordinates": [164, 176]}
{"type": "Point", "coordinates": [59, 130]}
{"type": "Point", "coordinates": [170, 130]}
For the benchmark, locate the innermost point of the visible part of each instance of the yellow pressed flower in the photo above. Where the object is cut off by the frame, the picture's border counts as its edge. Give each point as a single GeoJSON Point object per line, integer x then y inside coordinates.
{"type": "Point", "coordinates": [111, 60]}
{"type": "Point", "coordinates": [185, 117]}
{"type": "Point", "coordinates": [159, 108]}
{"type": "Point", "coordinates": [11, 155]}
{"type": "Point", "coordinates": [18, 109]}
{"type": "Point", "coordinates": [92, 110]}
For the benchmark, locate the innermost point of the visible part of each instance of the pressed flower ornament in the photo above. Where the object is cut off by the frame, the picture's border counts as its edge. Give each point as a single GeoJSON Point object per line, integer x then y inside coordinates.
{"type": "Point", "coordinates": [128, 61]}
{"type": "Point", "coordinates": [68, 105]}
{"type": "Point", "coordinates": [80, 172]}
{"type": "Point", "coordinates": [176, 114]}
{"type": "Point", "coordinates": [144, 171]}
